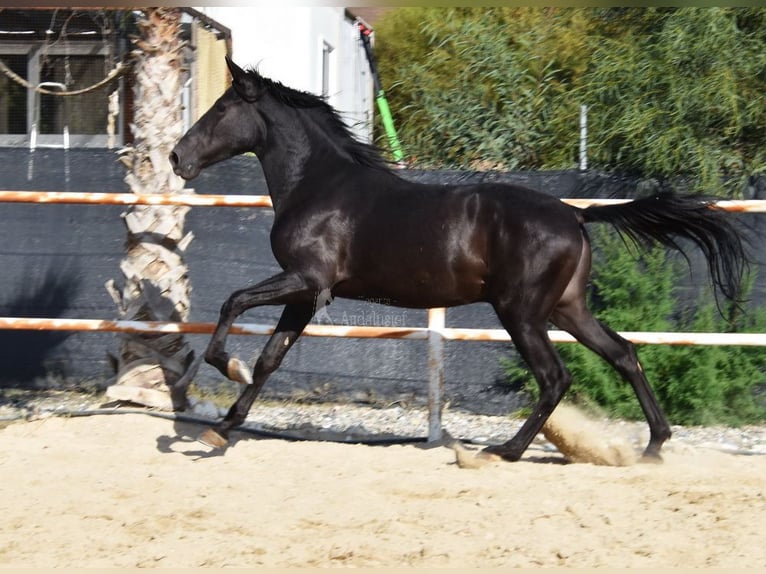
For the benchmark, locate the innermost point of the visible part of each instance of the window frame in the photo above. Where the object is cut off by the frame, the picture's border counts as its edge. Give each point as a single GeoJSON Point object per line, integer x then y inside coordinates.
{"type": "Point", "coordinates": [33, 52]}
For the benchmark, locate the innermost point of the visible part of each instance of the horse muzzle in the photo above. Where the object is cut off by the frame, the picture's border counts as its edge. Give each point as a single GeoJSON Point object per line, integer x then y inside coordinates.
{"type": "Point", "coordinates": [186, 169]}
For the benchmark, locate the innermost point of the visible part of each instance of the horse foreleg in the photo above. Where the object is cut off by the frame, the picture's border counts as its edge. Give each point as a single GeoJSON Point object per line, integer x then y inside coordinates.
{"type": "Point", "coordinates": [294, 319]}
{"type": "Point", "coordinates": [283, 288]}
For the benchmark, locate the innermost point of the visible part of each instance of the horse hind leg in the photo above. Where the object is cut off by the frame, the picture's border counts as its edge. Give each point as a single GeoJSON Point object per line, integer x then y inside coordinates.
{"type": "Point", "coordinates": [574, 317]}
{"type": "Point", "coordinates": [531, 340]}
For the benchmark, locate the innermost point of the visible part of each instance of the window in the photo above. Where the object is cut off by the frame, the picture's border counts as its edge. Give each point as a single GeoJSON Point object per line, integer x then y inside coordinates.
{"type": "Point", "coordinates": [83, 114]}
{"type": "Point", "coordinates": [27, 116]}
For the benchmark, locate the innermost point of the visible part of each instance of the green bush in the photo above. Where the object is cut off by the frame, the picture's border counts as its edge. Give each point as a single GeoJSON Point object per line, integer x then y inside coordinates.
{"type": "Point", "coordinates": [671, 91]}
{"type": "Point", "coordinates": [477, 88]}
{"type": "Point", "coordinates": [677, 91]}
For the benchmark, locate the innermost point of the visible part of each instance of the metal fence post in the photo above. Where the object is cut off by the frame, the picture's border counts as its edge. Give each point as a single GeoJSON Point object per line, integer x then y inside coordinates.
{"type": "Point", "coordinates": [436, 322]}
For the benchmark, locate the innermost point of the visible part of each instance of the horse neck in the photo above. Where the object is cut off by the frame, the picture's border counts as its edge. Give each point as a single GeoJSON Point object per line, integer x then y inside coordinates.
{"type": "Point", "coordinates": [296, 145]}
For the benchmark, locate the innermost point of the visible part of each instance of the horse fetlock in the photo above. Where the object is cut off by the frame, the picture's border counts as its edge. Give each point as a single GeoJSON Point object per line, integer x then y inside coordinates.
{"type": "Point", "coordinates": [662, 435]}
{"type": "Point", "coordinates": [652, 451]}
{"type": "Point", "coordinates": [217, 358]}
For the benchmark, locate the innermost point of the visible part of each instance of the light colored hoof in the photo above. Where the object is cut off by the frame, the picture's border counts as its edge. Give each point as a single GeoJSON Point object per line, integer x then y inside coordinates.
{"type": "Point", "coordinates": [472, 459]}
{"type": "Point", "coordinates": [239, 372]}
{"type": "Point", "coordinates": [212, 439]}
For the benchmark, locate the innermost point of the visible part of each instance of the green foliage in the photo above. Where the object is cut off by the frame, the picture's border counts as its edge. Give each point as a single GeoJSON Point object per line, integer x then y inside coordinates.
{"type": "Point", "coordinates": [473, 88]}
{"type": "Point", "coordinates": [694, 384]}
{"type": "Point", "coordinates": [671, 91]}
{"type": "Point", "coordinates": [680, 94]}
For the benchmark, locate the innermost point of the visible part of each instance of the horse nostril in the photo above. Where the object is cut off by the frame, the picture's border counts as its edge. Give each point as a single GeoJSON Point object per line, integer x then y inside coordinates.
{"type": "Point", "coordinates": [173, 157]}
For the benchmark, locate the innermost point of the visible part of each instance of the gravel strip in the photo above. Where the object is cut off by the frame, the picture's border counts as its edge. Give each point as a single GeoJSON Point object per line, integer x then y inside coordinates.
{"type": "Point", "coordinates": [361, 421]}
{"type": "Point", "coordinates": [351, 422]}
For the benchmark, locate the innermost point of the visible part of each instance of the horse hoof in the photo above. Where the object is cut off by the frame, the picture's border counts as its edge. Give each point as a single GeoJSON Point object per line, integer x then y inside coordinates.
{"type": "Point", "coordinates": [212, 439]}
{"type": "Point", "coordinates": [238, 371]}
{"type": "Point", "coordinates": [471, 459]}
{"type": "Point", "coordinates": [500, 452]}
{"type": "Point", "coordinates": [651, 458]}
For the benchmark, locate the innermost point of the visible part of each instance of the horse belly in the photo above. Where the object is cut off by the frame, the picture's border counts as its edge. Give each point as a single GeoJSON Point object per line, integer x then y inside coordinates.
{"type": "Point", "coordinates": [426, 296]}
{"type": "Point", "coordinates": [422, 276]}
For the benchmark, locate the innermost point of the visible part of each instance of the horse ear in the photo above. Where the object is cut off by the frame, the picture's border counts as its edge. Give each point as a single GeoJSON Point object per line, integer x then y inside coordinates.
{"type": "Point", "coordinates": [247, 85]}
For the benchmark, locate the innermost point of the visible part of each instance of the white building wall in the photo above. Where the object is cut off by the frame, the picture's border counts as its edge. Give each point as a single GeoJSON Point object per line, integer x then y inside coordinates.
{"type": "Point", "coordinates": [286, 43]}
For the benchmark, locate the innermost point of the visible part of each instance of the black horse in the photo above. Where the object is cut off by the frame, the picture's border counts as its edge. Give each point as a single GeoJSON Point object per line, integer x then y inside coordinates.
{"type": "Point", "coordinates": [347, 225]}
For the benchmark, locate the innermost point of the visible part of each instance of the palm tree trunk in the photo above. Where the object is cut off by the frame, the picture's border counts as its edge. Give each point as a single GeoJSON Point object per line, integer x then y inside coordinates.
{"type": "Point", "coordinates": [156, 283]}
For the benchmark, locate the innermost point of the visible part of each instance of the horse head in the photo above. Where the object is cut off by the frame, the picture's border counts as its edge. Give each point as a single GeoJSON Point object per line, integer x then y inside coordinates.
{"type": "Point", "coordinates": [233, 125]}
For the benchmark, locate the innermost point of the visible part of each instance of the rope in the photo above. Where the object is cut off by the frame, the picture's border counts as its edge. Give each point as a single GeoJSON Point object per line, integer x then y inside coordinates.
{"type": "Point", "coordinates": [118, 70]}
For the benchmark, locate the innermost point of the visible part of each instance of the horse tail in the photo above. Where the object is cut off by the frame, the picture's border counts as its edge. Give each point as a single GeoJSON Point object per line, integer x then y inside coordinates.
{"type": "Point", "coordinates": [665, 218]}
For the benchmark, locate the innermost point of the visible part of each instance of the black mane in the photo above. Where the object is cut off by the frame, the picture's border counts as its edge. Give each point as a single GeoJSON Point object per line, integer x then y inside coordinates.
{"type": "Point", "coordinates": [362, 153]}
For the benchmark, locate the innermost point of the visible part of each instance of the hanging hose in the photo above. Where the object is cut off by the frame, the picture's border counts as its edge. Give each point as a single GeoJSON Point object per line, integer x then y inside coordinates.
{"type": "Point", "coordinates": [380, 96]}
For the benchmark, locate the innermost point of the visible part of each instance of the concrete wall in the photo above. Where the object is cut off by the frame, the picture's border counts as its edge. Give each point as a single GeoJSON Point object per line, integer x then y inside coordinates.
{"type": "Point", "coordinates": [55, 259]}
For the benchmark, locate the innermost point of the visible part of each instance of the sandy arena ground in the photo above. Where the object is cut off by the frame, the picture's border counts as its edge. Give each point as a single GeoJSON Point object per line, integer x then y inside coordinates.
{"type": "Point", "coordinates": [132, 490]}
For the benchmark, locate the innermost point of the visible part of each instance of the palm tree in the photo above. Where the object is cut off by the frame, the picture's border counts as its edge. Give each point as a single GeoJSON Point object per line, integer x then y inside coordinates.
{"type": "Point", "coordinates": [156, 283]}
